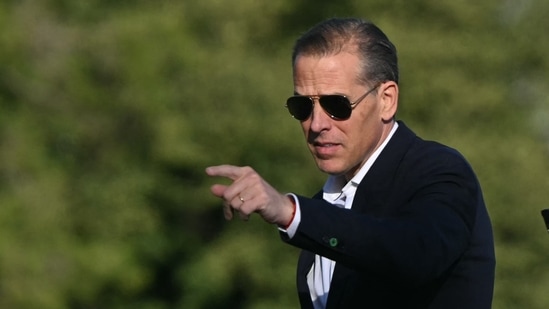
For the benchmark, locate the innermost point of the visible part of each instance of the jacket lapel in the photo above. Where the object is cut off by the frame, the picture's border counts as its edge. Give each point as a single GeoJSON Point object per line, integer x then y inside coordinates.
{"type": "Point", "coordinates": [371, 196]}
{"type": "Point", "coordinates": [305, 262]}
{"type": "Point", "coordinates": [373, 191]}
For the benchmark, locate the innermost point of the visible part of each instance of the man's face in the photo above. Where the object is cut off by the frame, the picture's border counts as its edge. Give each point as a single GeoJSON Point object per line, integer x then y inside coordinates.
{"type": "Point", "coordinates": [341, 147]}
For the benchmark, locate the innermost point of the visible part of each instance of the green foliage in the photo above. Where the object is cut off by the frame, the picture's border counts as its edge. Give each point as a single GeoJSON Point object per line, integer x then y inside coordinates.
{"type": "Point", "coordinates": [110, 111]}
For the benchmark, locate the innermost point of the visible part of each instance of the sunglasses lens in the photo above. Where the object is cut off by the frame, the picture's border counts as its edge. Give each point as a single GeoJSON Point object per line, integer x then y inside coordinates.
{"type": "Point", "coordinates": [337, 106]}
{"type": "Point", "coordinates": [300, 107]}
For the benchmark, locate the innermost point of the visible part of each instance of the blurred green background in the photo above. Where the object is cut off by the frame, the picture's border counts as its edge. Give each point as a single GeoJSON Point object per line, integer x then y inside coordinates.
{"type": "Point", "coordinates": [111, 110]}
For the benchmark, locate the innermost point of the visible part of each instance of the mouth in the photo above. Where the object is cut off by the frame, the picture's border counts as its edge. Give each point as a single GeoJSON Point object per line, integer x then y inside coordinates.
{"type": "Point", "coordinates": [325, 150]}
{"type": "Point", "coordinates": [317, 144]}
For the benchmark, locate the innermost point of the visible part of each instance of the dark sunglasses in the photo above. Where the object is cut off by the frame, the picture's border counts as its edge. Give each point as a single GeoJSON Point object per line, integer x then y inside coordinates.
{"type": "Point", "coordinates": [338, 107]}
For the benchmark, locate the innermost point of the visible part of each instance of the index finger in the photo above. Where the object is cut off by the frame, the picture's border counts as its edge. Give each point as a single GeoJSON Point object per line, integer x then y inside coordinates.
{"type": "Point", "coordinates": [230, 171]}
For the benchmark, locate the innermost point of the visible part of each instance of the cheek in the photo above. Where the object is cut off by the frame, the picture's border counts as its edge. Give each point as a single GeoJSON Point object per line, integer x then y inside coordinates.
{"type": "Point", "coordinates": [363, 130]}
{"type": "Point", "coordinates": [369, 110]}
{"type": "Point", "coordinates": [368, 119]}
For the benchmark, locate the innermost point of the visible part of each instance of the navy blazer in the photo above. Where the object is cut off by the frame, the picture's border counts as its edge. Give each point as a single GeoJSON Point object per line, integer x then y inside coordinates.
{"type": "Point", "coordinates": [418, 234]}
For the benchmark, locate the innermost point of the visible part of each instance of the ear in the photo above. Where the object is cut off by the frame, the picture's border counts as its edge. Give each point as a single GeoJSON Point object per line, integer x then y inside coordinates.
{"type": "Point", "coordinates": [388, 94]}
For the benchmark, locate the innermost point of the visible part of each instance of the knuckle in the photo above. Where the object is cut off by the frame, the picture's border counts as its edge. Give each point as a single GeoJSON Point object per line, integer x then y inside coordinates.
{"type": "Point", "coordinates": [255, 177]}
{"type": "Point", "coordinates": [249, 172]}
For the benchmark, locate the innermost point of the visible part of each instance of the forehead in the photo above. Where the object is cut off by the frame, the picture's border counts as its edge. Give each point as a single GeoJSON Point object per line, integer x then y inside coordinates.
{"type": "Point", "coordinates": [314, 73]}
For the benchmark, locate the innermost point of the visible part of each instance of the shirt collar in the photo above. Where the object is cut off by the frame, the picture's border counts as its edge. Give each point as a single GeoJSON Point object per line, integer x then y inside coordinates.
{"type": "Point", "coordinates": [335, 185]}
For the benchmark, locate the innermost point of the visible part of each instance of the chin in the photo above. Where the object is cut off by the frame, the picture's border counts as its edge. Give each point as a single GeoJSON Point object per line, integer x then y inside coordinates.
{"type": "Point", "coordinates": [330, 169]}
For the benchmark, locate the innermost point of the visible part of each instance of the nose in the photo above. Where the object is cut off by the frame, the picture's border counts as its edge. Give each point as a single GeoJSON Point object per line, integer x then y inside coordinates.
{"type": "Point", "coordinates": [320, 120]}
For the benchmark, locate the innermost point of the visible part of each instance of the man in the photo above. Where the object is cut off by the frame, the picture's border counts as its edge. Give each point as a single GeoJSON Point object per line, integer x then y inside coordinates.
{"type": "Point", "coordinates": [400, 222]}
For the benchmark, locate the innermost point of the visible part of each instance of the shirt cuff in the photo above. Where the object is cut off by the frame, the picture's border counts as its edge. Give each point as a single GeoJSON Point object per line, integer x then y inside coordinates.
{"type": "Point", "coordinates": [292, 228]}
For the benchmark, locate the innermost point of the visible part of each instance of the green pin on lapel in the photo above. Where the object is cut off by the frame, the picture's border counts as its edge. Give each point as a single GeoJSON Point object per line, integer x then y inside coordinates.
{"type": "Point", "coordinates": [333, 242]}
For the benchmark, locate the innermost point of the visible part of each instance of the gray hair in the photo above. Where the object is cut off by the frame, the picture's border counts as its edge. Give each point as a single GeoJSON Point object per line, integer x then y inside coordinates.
{"type": "Point", "coordinates": [378, 55]}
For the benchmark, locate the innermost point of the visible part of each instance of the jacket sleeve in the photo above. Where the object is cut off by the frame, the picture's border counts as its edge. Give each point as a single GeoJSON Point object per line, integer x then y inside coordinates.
{"type": "Point", "coordinates": [414, 228]}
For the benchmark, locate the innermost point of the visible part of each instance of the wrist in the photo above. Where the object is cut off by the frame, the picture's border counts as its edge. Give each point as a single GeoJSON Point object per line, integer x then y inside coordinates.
{"type": "Point", "coordinates": [289, 222]}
